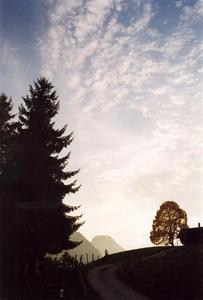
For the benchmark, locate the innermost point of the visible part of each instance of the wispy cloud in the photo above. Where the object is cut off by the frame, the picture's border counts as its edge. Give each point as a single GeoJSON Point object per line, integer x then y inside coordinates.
{"type": "Point", "coordinates": [132, 93]}
{"type": "Point", "coordinates": [179, 3]}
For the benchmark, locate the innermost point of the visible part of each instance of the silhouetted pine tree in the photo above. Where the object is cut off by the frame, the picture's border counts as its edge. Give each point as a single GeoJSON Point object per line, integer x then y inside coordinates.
{"type": "Point", "coordinates": [8, 132]}
{"type": "Point", "coordinates": [43, 219]}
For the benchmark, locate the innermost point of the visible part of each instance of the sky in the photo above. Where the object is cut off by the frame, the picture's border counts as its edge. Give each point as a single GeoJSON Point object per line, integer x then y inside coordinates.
{"type": "Point", "coordinates": [129, 78]}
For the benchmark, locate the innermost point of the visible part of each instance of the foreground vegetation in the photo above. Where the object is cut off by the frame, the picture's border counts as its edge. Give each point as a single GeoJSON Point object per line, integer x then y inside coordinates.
{"type": "Point", "coordinates": [173, 274]}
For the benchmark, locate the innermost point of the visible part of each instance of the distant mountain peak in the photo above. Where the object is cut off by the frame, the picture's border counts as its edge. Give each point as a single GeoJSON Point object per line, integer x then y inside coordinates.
{"type": "Point", "coordinates": [106, 242]}
{"type": "Point", "coordinates": [86, 249]}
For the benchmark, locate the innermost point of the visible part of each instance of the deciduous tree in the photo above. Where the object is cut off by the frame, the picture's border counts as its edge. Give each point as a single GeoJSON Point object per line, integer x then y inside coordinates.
{"type": "Point", "coordinates": [169, 220]}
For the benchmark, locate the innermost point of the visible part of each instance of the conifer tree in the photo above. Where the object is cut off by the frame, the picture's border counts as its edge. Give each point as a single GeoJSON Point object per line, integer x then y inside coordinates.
{"type": "Point", "coordinates": [8, 135]}
{"type": "Point", "coordinates": [8, 132]}
{"type": "Point", "coordinates": [43, 181]}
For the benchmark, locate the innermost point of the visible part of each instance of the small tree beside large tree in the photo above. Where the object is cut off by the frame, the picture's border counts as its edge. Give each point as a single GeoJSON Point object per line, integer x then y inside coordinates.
{"type": "Point", "coordinates": [169, 220]}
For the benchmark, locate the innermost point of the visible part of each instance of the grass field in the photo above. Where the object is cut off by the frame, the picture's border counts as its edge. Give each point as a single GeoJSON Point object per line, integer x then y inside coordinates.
{"type": "Point", "coordinates": [175, 274]}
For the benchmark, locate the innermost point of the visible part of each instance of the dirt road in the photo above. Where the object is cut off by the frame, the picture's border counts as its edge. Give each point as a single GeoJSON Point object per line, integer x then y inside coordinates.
{"type": "Point", "coordinates": [105, 282]}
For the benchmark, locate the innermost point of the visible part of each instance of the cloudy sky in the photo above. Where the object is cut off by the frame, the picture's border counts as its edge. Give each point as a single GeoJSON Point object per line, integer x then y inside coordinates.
{"type": "Point", "coordinates": [128, 73]}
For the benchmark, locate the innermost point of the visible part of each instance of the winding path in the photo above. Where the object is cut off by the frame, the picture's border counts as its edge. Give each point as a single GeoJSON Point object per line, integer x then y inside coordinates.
{"type": "Point", "coordinates": [105, 282]}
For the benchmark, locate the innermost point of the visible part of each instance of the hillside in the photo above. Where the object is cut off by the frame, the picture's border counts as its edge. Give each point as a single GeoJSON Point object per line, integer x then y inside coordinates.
{"type": "Point", "coordinates": [176, 274]}
{"type": "Point", "coordinates": [85, 248]}
{"type": "Point", "coordinates": [103, 242]}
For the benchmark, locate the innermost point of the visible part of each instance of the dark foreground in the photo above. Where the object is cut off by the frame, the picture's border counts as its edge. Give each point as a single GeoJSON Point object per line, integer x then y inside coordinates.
{"type": "Point", "coordinates": [67, 284]}
{"type": "Point", "coordinates": [174, 275]}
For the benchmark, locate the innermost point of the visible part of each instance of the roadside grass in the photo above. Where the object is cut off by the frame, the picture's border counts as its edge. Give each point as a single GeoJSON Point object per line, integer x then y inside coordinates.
{"type": "Point", "coordinates": [176, 274]}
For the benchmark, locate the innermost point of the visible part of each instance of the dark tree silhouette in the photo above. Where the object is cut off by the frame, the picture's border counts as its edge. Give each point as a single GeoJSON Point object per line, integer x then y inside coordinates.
{"type": "Point", "coordinates": [44, 223]}
{"type": "Point", "coordinates": [169, 220]}
{"type": "Point", "coordinates": [8, 132]}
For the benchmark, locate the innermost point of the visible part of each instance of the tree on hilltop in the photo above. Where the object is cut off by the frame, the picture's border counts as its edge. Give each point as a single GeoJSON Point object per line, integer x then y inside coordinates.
{"type": "Point", "coordinates": [169, 220]}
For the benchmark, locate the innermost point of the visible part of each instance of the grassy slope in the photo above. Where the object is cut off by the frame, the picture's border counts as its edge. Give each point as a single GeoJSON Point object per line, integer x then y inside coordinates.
{"type": "Point", "coordinates": [177, 275]}
{"type": "Point", "coordinates": [130, 255]}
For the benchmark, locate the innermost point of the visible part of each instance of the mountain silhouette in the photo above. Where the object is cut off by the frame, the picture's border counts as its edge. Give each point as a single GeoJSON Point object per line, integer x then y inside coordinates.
{"type": "Point", "coordinates": [106, 242]}
{"type": "Point", "coordinates": [84, 249]}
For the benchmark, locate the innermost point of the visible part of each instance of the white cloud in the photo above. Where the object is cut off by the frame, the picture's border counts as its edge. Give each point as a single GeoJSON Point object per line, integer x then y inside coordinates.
{"type": "Point", "coordinates": [193, 14]}
{"type": "Point", "coordinates": [179, 3]}
{"type": "Point", "coordinates": [132, 96]}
